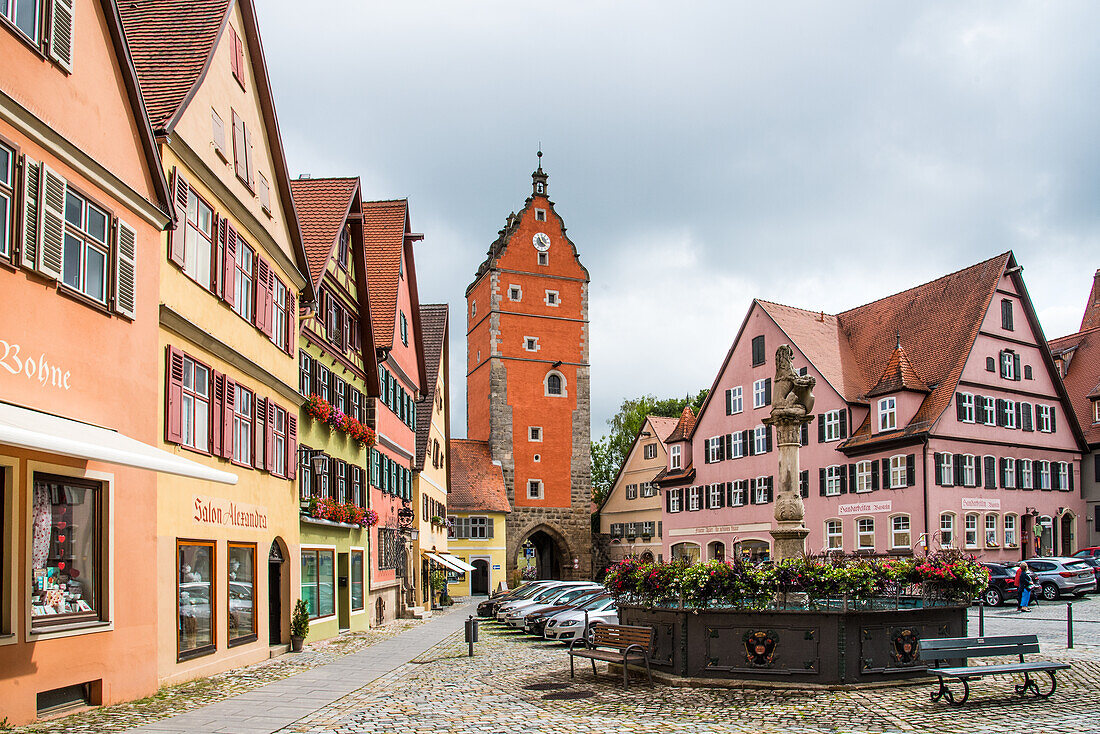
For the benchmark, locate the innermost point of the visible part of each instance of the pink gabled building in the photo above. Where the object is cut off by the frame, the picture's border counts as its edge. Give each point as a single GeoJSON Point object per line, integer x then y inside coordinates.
{"type": "Point", "coordinates": [941, 421]}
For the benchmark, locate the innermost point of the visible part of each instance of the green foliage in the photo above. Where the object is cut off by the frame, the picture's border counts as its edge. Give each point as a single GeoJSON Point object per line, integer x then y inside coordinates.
{"type": "Point", "coordinates": [299, 621]}
{"type": "Point", "coordinates": [438, 579]}
{"type": "Point", "coordinates": [609, 452]}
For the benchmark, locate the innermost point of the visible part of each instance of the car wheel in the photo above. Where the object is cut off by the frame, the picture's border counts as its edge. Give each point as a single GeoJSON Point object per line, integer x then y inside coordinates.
{"type": "Point", "coordinates": [1050, 591]}
{"type": "Point", "coordinates": [992, 598]}
{"type": "Point", "coordinates": [591, 630]}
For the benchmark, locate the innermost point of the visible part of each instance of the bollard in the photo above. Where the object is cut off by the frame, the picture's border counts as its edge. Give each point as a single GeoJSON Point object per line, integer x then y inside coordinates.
{"type": "Point", "coordinates": [585, 632]}
{"type": "Point", "coordinates": [981, 618]}
{"type": "Point", "coordinates": [471, 633]}
{"type": "Point", "coordinates": [1069, 625]}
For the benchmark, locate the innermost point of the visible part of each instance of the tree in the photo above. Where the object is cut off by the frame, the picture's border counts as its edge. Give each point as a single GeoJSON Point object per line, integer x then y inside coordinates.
{"type": "Point", "coordinates": [609, 452]}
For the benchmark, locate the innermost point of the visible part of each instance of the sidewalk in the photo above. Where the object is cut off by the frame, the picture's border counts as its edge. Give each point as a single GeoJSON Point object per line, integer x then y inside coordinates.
{"type": "Point", "coordinates": [272, 707]}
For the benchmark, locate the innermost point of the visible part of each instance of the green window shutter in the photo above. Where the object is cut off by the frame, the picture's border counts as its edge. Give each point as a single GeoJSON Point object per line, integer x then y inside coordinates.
{"type": "Point", "coordinates": [52, 217]}
{"type": "Point", "coordinates": [125, 269]}
{"type": "Point", "coordinates": [61, 33]}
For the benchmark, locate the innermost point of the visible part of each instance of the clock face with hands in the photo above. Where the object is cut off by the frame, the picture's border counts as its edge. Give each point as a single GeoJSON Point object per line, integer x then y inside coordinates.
{"type": "Point", "coordinates": [541, 241]}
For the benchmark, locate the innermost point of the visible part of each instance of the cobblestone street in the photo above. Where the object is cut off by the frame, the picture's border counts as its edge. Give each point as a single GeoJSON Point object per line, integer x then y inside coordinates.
{"type": "Point", "coordinates": [515, 683]}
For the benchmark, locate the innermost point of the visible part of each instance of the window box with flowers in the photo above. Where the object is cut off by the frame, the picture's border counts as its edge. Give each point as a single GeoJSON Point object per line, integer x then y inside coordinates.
{"type": "Point", "coordinates": [323, 411]}
{"type": "Point", "coordinates": [437, 520]}
{"type": "Point", "coordinates": [326, 508]}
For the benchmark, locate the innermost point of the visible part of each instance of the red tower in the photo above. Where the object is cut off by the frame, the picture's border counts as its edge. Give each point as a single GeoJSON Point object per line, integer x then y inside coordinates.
{"type": "Point", "coordinates": [527, 383]}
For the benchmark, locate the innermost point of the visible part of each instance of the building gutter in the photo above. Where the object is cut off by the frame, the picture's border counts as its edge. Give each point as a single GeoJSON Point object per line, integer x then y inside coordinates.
{"type": "Point", "coordinates": [924, 488]}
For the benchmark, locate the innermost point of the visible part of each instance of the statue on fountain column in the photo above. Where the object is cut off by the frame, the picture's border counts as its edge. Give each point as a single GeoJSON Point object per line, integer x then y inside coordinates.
{"type": "Point", "coordinates": [792, 393]}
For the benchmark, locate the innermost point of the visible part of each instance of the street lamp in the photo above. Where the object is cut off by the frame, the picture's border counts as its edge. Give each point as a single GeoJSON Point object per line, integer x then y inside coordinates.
{"type": "Point", "coordinates": [314, 458]}
{"type": "Point", "coordinates": [405, 518]}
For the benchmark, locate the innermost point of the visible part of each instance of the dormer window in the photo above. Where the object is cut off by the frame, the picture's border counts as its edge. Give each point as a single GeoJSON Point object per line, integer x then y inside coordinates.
{"type": "Point", "coordinates": [540, 215]}
{"type": "Point", "coordinates": [1096, 411]}
{"type": "Point", "coordinates": [674, 457]}
{"type": "Point", "coordinates": [887, 414]}
{"type": "Point", "coordinates": [342, 250]}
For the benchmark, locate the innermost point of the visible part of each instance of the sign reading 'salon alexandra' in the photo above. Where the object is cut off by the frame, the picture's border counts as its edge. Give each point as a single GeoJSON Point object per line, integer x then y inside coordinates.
{"type": "Point", "coordinates": [229, 514]}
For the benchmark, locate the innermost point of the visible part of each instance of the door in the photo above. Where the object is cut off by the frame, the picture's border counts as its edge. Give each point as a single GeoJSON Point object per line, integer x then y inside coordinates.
{"type": "Point", "coordinates": [479, 577]}
{"type": "Point", "coordinates": [425, 583]}
{"type": "Point", "coordinates": [343, 592]}
{"type": "Point", "coordinates": [1066, 534]}
{"type": "Point", "coordinates": [274, 599]}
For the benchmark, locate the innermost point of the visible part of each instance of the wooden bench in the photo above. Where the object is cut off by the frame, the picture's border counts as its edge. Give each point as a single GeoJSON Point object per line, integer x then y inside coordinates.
{"type": "Point", "coordinates": [956, 648]}
{"type": "Point", "coordinates": [614, 643]}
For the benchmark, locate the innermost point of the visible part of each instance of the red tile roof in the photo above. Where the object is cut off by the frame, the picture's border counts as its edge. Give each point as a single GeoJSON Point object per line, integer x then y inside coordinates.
{"type": "Point", "coordinates": [433, 319]}
{"type": "Point", "coordinates": [171, 42]}
{"type": "Point", "coordinates": [1091, 318]}
{"type": "Point", "coordinates": [683, 426]}
{"type": "Point", "coordinates": [663, 426]}
{"type": "Point", "coordinates": [1082, 379]}
{"type": "Point", "coordinates": [898, 375]}
{"type": "Point", "coordinates": [477, 484]}
{"type": "Point", "coordinates": [323, 205]}
{"type": "Point", "coordinates": [384, 226]}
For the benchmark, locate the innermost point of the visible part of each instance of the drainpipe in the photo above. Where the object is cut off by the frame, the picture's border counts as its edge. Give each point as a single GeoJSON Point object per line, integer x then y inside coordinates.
{"type": "Point", "coordinates": [924, 485]}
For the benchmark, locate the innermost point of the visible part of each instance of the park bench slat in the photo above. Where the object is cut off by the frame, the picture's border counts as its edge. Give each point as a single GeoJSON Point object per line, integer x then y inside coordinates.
{"type": "Point", "coordinates": [951, 648]}
{"type": "Point", "coordinates": [630, 643]}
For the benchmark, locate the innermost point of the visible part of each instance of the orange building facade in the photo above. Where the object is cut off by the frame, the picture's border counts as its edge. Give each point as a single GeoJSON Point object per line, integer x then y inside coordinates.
{"type": "Point", "coordinates": [528, 384]}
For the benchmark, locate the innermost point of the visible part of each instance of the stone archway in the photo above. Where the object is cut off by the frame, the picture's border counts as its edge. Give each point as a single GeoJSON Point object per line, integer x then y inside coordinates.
{"type": "Point", "coordinates": [552, 556]}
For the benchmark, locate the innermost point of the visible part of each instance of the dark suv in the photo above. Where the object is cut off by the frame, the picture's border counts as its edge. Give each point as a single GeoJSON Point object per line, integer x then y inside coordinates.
{"type": "Point", "coordinates": [1002, 584]}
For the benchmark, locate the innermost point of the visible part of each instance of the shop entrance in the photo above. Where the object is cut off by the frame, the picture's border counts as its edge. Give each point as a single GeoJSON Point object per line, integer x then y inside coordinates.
{"type": "Point", "coordinates": [275, 560]}
{"type": "Point", "coordinates": [1065, 534]}
{"type": "Point", "coordinates": [479, 577]}
{"type": "Point", "coordinates": [343, 600]}
{"type": "Point", "coordinates": [425, 582]}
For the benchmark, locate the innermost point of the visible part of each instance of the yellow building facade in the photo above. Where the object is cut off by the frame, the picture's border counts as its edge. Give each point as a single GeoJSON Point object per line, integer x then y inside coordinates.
{"type": "Point", "coordinates": [478, 507]}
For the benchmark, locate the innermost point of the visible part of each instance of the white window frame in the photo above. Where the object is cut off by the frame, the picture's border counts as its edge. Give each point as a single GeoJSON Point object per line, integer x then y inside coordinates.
{"type": "Point", "coordinates": [1008, 367]}
{"type": "Point", "coordinates": [695, 498]}
{"type": "Point", "coordinates": [674, 453]}
{"type": "Point", "coordinates": [674, 500]}
{"type": "Point", "coordinates": [947, 530]}
{"type": "Point", "coordinates": [191, 399]}
{"type": "Point", "coordinates": [759, 393]}
{"type": "Point", "coordinates": [540, 215]}
{"type": "Point", "coordinates": [552, 299]}
{"type": "Point", "coordinates": [1063, 475]}
{"type": "Point", "coordinates": [832, 480]}
{"type": "Point", "coordinates": [969, 473]}
{"type": "Point", "coordinates": [863, 477]}
{"type": "Point", "coordinates": [1008, 478]}
{"type": "Point", "coordinates": [473, 311]}
{"type": "Point", "coordinates": [531, 344]}
{"type": "Point", "coordinates": [966, 400]}
{"type": "Point", "coordinates": [989, 411]}
{"type": "Point", "coordinates": [862, 533]}
{"type": "Point", "coordinates": [737, 400]}
{"type": "Point", "coordinates": [546, 385]}
{"type": "Point", "coordinates": [1010, 414]}
{"type": "Point", "coordinates": [947, 469]}
{"type": "Point", "coordinates": [515, 293]}
{"type": "Point", "coordinates": [737, 494]}
{"type": "Point", "coordinates": [714, 495]}
{"type": "Point", "coordinates": [648, 490]}
{"type": "Point", "coordinates": [632, 491]}
{"type": "Point", "coordinates": [760, 489]}
{"type": "Point", "coordinates": [544, 258]}
{"type": "Point", "coordinates": [991, 541]}
{"type": "Point", "coordinates": [895, 531]}
{"type": "Point", "coordinates": [970, 530]}
{"type": "Point", "coordinates": [539, 489]}
{"type": "Point", "coordinates": [737, 445]}
{"type": "Point", "coordinates": [1027, 474]}
{"type": "Point", "coordinates": [649, 451]}
{"type": "Point", "coordinates": [899, 471]}
{"type": "Point", "coordinates": [1010, 528]}
{"type": "Point", "coordinates": [534, 434]}
{"type": "Point", "coordinates": [1044, 474]}
{"type": "Point", "coordinates": [832, 525]}
{"type": "Point", "coordinates": [1042, 418]}
{"type": "Point", "coordinates": [760, 440]}
{"type": "Point", "coordinates": [887, 414]}
{"type": "Point", "coordinates": [1096, 411]}
{"type": "Point", "coordinates": [713, 445]}
{"type": "Point", "coordinates": [832, 425]}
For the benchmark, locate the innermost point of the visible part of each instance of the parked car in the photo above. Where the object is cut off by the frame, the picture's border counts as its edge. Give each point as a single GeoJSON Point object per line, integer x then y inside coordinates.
{"type": "Point", "coordinates": [536, 589]}
{"type": "Point", "coordinates": [1002, 584]}
{"type": "Point", "coordinates": [1092, 552]}
{"type": "Point", "coordinates": [1093, 563]}
{"type": "Point", "coordinates": [569, 600]}
{"type": "Point", "coordinates": [488, 607]}
{"type": "Point", "coordinates": [1060, 575]}
{"type": "Point", "coordinates": [535, 624]}
{"type": "Point", "coordinates": [548, 595]}
{"type": "Point", "coordinates": [563, 596]}
{"type": "Point", "coordinates": [568, 626]}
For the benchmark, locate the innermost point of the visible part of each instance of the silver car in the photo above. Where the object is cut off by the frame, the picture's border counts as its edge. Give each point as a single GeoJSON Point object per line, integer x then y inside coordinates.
{"type": "Point", "coordinates": [564, 596]}
{"type": "Point", "coordinates": [549, 592]}
{"type": "Point", "coordinates": [569, 625]}
{"type": "Point", "coordinates": [1060, 575]}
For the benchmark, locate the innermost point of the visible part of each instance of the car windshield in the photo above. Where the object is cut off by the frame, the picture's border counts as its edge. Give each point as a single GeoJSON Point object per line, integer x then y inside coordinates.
{"type": "Point", "coordinates": [572, 595]}
{"type": "Point", "coordinates": [594, 604]}
{"type": "Point", "coordinates": [529, 592]}
{"type": "Point", "coordinates": [548, 593]}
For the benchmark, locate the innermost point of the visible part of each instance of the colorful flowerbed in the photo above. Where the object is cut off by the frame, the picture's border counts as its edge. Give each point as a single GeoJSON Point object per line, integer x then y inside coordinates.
{"type": "Point", "coordinates": [326, 508]}
{"type": "Point", "coordinates": [322, 410]}
{"type": "Point", "coordinates": [945, 576]}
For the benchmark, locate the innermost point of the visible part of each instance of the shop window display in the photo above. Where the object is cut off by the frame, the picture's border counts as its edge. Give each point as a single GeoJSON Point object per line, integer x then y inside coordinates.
{"type": "Point", "coordinates": [319, 582]}
{"type": "Point", "coordinates": [357, 580]}
{"type": "Point", "coordinates": [242, 593]}
{"type": "Point", "coordinates": [196, 598]}
{"type": "Point", "coordinates": [64, 551]}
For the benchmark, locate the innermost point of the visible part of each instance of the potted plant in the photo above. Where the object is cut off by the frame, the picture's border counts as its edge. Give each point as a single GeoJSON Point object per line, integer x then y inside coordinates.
{"type": "Point", "coordinates": [436, 520]}
{"type": "Point", "coordinates": [438, 582]}
{"type": "Point", "coordinates": [299, 625]}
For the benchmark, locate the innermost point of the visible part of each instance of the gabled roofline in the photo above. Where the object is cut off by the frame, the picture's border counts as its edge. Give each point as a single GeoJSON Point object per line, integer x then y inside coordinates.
{"type": "Point", "coordinates": [721, 370]}
{"type": "Point", "coordinates": [414, 298]}
{"type": "Point", "coordinates": [137, 102]}
{"type": "Point", "coordinates": [626, 460]}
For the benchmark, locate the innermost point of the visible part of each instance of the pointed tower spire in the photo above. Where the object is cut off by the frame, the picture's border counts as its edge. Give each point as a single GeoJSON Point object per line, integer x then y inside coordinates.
{"type": "Point", "coordinates": [898, 375]}
{"type": "Point", "coordinates": [539, 187]}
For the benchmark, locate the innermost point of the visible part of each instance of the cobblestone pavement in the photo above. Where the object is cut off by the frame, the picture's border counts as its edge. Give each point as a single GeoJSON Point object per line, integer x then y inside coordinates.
{"type": "Point", "coordinates": [176, 699]}
{"type": "Point", "coordinates": [1047, 619]}
{"type": "Point", "coordinates": [445, 691]}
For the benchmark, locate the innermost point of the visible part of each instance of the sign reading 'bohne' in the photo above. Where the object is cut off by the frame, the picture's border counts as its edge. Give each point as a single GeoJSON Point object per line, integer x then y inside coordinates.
{"type": "Point", "coordinates": [229, 514]}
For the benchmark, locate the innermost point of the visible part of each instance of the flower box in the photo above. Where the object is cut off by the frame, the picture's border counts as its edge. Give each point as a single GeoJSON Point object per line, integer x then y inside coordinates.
{"type": "Point", "coordinates": [322, 411]}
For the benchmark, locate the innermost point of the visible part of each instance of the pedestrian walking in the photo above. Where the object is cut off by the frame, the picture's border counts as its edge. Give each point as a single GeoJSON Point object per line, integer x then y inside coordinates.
{"type": "Point", "coordinates": [1023, 582]}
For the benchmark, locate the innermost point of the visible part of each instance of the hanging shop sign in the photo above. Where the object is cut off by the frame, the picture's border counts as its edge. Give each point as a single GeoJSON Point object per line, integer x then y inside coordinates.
{"type": "Point", "coordinates": [39, 370]}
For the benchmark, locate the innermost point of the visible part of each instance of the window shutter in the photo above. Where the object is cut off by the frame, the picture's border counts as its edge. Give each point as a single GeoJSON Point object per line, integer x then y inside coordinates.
{"type": "Point", "coordinates": [804, 482]}
{"type": "Point", "coordinates": [269, 438]}
{"type": "Point", "coordinates": [874, 475]}
{"type": "Point", "coordinates": [729, 445]}
{"type": "Point", "coordinates": [978, 471]}
{"type": "Point", "coordinates": [240, 165]}
{"type": "Point", "coordinates": [668, 500]}
{"type": "Point", "coordinates": [125, 285]}
{"type": "Point", "coordinates": [821, 428]}
{"type": "Point", "coordinates": [887, 480]}
{"type": "Point", "coordinates": [844, 423]}
{"type": "Point", "coordinates": [1016, 367]}
{"type": "Point", "coordinates": [805, 438]}
{"type": "Point", "coordinates": [939, 468]}
{"type": "Point", "coordinates": [51, 209]}
{"type": "Point", "coordinates": [1027, 415]}
{"type": "Point", "coordinates": [180, 189]}
{"type": "Point", "coordinates": [1070, 473]}
{"type": "Point", "coordinates": [228, 246]}
{"type": "Point", "coordinates": [721, 445]}
{"type": "Point", "coordinates": [173, 409]}
{"type": "Point", "coordinates": [750, 491]}
{"type": "Point", "coordinates": [1055, 480]}
{"type": "Point", "coordinates": [217, 426]}
{"type": "Point", "coordinates": [62, 24]}
{"type": "Point", "coordinates": [844, 479]}
{"type": "Point", "coordinates": [729, 402]}
{"type": "Point", "coordinates": [727, 492]}
{"type": "Point", "coordinates": [1019, 473]}
{"type": "Point", "coordinates": [249, 177]}
{"type": "Point", "coordinates": [292, 322]}
{"type": "Point", "coordinates": [910, 470]}
{"type": "Point", "coordinates": [261, 311]}
{"type": "Point", "coordinates": [1053, 422]}
{"type": "Point", "coordinates": [771, 489]}
{"type": "Point", "coordinates": [706, 451]}
{"type": "Point", "coordinates": [821, 480]}
{"type": "Point", "coordinates": [853, 485]}
{"type": "Point", "coordinates": [959, 412]}
{"type": "Point", "coordinates": [226, 417]}
{"type": "Point", "coordinates": [1001, 472]}
{"type": "Point", "coordinates": [957, 479]}
{"type": "Point", "coordinates": [768, 439]}
{"type": "Point", "coordinates": [990, 472]}
{"type": "Point", "coordinates": [259, 434]}
{"type": "Point", "coordinates": [292, 452]}
{"type": "Point", "coordinates": [750, 443]}
{"type": "Point", "coordinates": [1000, 412]}
{"type": "Point", "coordinates": [29, 237]}
{"type": "Point", "coordinates": [1001, 363]}
{"type": "Point", "coordinates": [767, 391]}
{"type": "Point", "coordinates": [1019, 414]}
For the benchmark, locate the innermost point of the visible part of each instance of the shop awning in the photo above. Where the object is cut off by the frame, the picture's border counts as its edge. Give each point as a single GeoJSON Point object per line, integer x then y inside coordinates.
{"type": "Point", "coordinates": [31, 429]}
{"type": "Point", "coordinates": [452, 562]}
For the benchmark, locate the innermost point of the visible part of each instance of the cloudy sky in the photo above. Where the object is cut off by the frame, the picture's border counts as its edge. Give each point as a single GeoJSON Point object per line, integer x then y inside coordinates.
{"type": "Point", "coordinates": [702, 154]}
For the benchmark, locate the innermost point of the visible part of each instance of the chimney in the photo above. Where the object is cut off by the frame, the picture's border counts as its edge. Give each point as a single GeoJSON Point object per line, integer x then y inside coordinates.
{"type": "Point", "coordinates": [1092, 309]}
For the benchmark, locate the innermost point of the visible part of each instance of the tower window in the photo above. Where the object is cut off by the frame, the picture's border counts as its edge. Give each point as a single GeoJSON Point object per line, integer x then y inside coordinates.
{"type": "Point", "coordinates": [552, 298]}
{"type": "Point", "coordinates": [515, 293]}
{"type": "Point", "coordinates": [540, 215]}
{"type": "Point", "coordinates": [555, 384]}
{"type": "Point", "coordinates": [531, 343]}
{"type": "Point", "coordinates": [540, 188]}
{"type": "Point", "coordinates": [535, 433]}
{"type": "Point", "coordinates": [534, 489]}
{"type": "Point", "coordinates": [473, 308]}
{"type": "Point", "coordinates": [544, 258]}
{"type": "Point", "coordinates": [537, 458]}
